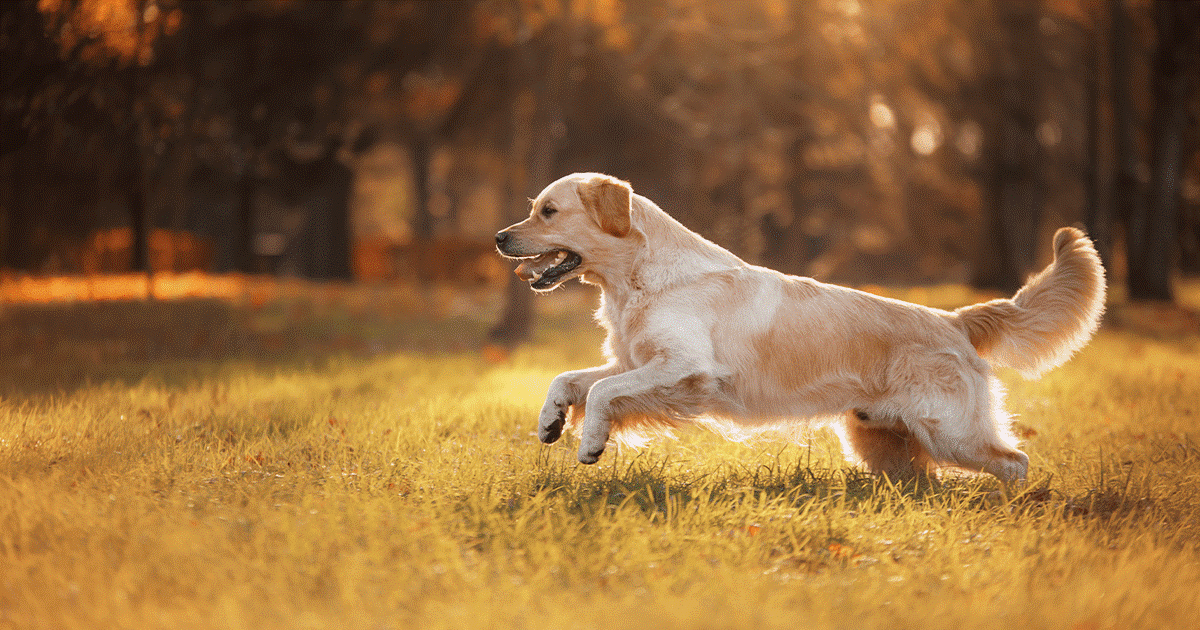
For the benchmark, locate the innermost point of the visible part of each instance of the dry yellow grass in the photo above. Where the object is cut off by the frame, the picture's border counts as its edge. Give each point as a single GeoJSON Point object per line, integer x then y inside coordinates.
{"type": "Point", "coordinates": [384, 475]}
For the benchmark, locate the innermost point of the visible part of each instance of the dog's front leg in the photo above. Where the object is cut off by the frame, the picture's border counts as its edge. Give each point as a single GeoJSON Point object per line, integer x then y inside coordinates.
{"type": "Point", "coordinates": [650, 386]}
{"type": "Point", "coordinates": [569, 389]}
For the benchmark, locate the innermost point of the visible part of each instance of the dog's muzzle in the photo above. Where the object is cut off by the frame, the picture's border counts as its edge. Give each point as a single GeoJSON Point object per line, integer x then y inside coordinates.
{"type": "Point", "coordinates": [542, 270]}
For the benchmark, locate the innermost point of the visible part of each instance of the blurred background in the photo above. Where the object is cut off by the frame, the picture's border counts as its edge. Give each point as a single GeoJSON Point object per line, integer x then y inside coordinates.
{"type": "Point", "coordinates": [895, 142]}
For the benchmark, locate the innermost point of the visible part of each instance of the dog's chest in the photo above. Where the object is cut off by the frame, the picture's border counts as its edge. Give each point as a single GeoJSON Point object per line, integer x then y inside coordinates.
{"type": "Point", "coordinates": [626, 323]}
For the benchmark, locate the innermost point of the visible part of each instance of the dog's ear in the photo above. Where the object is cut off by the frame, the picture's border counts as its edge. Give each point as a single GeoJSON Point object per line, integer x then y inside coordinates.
{"type": "Point", "coordinates": [607, 200]}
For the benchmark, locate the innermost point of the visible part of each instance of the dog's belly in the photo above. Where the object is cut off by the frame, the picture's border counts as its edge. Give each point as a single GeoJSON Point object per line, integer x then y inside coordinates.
{"type": "Point", "coordinates": [759, 398]}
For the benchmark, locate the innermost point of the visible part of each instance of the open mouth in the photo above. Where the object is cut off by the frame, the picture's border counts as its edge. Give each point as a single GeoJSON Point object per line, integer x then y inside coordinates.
{"type": "Point", "coordinates": [545, 271]}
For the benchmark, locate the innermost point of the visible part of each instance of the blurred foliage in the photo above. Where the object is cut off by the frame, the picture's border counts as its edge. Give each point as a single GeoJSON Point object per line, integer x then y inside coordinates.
{"type": "Point", "coordinates": [848, 139]}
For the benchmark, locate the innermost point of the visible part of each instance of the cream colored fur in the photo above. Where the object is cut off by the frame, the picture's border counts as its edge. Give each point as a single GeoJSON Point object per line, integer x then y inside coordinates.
{"type": "Point", "coordinates": [696, 335]}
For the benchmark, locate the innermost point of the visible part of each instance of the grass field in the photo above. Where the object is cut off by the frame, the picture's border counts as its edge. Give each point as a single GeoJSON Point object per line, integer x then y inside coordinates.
{"type": "Point", "coordinates": [325, 462]}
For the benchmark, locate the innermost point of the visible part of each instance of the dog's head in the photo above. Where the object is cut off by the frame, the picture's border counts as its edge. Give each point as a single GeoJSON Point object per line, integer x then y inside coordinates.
{"type": "Point", "coordinates": [574, 223]}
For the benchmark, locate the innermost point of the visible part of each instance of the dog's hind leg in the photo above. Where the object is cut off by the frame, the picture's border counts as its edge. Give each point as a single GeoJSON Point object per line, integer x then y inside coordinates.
{"type": "Point", "coordinates": [885, 448]}
{"type": "Point", "coordinates": [953, 407]}
{"type": "Point", "coordinates": [972, 432]}
{"type": "Point", "coordinates": [986, 452]}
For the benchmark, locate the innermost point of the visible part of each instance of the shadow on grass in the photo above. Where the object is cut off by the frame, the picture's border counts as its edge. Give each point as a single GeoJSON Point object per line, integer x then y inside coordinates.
{"type": "Point", "coordinates": [651, 483]}
{"type": "Point", "coordinates": [57, 349]}
{"type": "Point", "coordinates": [656, 486]}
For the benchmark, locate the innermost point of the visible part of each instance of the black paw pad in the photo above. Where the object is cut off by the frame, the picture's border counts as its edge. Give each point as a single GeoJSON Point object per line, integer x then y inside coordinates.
{"type": "Point", "coordinates": [550, 434]}
{"type": "Point", "coordinates": [591, 457]}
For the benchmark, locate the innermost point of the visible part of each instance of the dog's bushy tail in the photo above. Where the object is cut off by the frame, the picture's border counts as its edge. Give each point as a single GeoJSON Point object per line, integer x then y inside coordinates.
{"type": "Point", "coordinates": [1051, 317]}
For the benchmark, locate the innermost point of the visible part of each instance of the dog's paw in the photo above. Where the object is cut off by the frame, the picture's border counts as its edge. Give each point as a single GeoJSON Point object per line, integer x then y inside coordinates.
{"type": "Point", "coordinates": [591, 446]}
{"type": "Point", "coordinates": [550, 423]}
{"type": "Point", "coordinates": [590, 456]}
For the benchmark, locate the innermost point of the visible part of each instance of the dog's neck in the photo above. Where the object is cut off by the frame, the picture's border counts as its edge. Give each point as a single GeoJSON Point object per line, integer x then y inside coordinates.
{"type": "Point", "coordinates": [666, 254]}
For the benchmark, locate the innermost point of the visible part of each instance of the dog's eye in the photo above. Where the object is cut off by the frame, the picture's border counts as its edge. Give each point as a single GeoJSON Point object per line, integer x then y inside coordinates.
{"type": "Point", "coordinates": [549, 211]}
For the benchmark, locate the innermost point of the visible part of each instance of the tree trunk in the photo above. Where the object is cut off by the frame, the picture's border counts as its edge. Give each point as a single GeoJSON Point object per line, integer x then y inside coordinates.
{"type": "Point", "coordinates": [245, 258]}
{"type": "Point", "coordinates": [140, 222]}
{"type": "Point", "coordinates": [243, 231]}
{"type": "Point", "coordinates": [1007, 251]}
{"type": "Point", "coordinates": [1152, 246]}
{"type": "Point", "coordinates": [135, 187]}
{"type": "Point", "coordinates": [422, 222]}
{"type": "Point", "coordinates": [516, 322]}
{"type": "Point", "coordinates": [13, 220]}
{"type": "Point", "coordinates": [1098, 208]}
{"type": "Point", "coordinates": [135, 196]}
{"type": "Point", "coordinates": [327, 207]}
{"type": "Point", "coordinates": [538, 121]}
{"type": "Point", "coordinates": [341, 187]}
{"type": "Point", "coordinates": [1128, 200]}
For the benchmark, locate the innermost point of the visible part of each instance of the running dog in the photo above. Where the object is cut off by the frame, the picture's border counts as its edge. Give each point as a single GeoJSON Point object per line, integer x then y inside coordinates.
{"type": "Point", "coordinates": [696, 335]}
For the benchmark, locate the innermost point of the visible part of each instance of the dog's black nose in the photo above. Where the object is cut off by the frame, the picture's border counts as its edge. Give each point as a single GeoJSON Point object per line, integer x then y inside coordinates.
{"type": "Point", "coordinates": [501, 238]}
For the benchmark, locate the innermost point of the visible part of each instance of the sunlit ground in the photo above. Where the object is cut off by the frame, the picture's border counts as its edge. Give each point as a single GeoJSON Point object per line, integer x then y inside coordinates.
{"type": "Point", "coordinates": [287, 455]}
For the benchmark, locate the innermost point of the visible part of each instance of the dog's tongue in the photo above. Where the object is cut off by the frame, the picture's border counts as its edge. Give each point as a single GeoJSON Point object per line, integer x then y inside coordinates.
{"type": "Point", "coordinates": [532, 268]}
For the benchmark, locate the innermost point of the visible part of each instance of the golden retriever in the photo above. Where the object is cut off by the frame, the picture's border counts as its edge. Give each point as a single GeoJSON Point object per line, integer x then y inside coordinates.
{"type": "Point", "coordinates": [696, 335]}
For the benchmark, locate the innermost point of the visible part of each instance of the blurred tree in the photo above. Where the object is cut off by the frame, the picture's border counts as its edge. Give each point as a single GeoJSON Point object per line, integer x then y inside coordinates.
{"type": "Point", "coordinates": [1006, 252]}
{"type": "Point", "coordinates": [1128, 198]}
{"type": "Point", "coordinates": [540, 77]}
{"type": "Point", "coordinates": [272, 88]}
{"type": "Point", "coordinates": [75, 90]}
{"type": "Point", "coordinates": [248, 89]}
{"type": "Point", "coordinates": [1098, 85]}
{"type": "Point", "coordinates": [29, 58]}
{"type": "Point", "coordinates": [852, 140]}
{"type": "Point", "coordinates": [1153, 227]}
